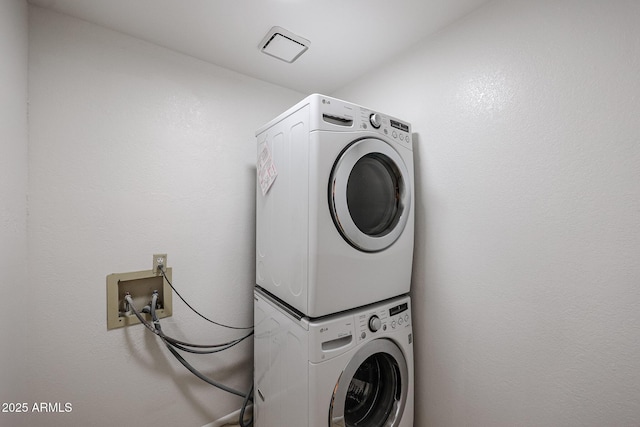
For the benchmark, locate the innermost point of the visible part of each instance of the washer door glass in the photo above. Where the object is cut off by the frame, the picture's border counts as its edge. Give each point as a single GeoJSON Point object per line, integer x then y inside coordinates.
{"type": "Point", "coordinates": [372, 389]}
{"type": "Point", "coordinates": [369, 194]}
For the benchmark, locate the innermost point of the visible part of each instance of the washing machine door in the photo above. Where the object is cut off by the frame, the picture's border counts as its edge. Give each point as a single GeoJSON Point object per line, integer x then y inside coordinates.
{"type": "Point", "coordinates": [369, 194]}
{"type": "Point", "coordinates": [372, 389]}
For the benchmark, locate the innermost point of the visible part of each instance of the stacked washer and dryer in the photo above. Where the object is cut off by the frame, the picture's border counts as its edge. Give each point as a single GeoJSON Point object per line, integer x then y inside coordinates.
{"type": "Point", "coordinates": [334, 250]}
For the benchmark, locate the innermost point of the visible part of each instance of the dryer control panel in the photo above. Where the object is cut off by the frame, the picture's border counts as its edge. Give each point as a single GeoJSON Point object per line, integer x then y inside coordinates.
{"type": "Point", "coordinates": [341, 116]}
{"type": "Point", "coordinates": [399, 131]}
{"type": "Point", "coordinates": [382, 319]}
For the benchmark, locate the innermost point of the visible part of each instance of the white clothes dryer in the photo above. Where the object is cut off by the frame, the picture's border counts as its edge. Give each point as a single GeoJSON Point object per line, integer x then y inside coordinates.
{"type": "Point", "coordinates": [352, 369]}
{"type": "Point", "coordinates": [335, 215]}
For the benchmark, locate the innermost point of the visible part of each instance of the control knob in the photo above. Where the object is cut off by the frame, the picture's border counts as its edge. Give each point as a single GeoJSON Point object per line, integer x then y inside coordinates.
{"type": "Point", "coordinates": [375, 120]}
{"type": "Point", "coordinates": [374, 323]}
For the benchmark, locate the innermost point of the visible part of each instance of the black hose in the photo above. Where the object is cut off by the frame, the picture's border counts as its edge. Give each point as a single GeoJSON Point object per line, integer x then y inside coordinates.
{"type": "Point", "coordinates": [196, 311]}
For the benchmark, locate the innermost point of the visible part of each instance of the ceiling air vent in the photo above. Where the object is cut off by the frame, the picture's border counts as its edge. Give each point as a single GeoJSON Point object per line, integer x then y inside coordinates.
{"type": "Point", "coordinates": [283, 44]}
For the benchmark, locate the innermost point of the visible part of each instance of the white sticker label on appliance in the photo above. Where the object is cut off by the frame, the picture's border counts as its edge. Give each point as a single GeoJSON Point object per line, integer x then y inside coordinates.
{"type": "Point", "coordinates": [267, 172]}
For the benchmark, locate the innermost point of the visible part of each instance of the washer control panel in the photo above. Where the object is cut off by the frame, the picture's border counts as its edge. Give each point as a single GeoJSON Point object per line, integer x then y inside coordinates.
{"type": "Point", "coordinates": [382, 319]}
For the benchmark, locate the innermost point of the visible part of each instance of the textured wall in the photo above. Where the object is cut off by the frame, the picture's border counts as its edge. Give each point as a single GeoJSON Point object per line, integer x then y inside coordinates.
{"type": "Point", "coordinates": [136, 150]}
{"type": "Point", "coordinates": [13, 200]}
{"type": "Point", "coordinates": [527, 269]}
{"type": "Point", "coordinates": [526, 273]}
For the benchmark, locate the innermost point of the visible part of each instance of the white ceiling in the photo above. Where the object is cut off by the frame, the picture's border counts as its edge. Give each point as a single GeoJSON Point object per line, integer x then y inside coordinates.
{"type": "Point", "coordinates": [348, 37]}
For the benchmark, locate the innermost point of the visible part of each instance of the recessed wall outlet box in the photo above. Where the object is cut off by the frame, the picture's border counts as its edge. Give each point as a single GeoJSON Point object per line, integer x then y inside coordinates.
{"type": "Point", "coordinates": [140, 285]}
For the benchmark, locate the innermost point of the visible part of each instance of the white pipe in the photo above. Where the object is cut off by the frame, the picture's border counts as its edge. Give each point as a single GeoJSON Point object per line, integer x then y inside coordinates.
{"type": "Point", "coordinates": [230, 419]}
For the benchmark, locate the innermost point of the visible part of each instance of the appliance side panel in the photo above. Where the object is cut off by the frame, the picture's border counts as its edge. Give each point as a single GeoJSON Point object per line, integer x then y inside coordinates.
{"type": "Point", "coordinates": [282, 217]}
{"type": "Point", "coordinates": [281, 386]}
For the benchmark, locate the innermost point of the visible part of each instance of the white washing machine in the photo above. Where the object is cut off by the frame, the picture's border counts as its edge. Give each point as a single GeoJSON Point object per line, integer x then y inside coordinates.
{"type": "Point", "coordinates": [352, 369]}
{"type": "Point", "coordinates": [335, 215]}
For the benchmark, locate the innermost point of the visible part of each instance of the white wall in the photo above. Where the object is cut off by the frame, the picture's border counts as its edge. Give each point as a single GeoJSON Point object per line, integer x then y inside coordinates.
{"type": "Point", "coordinates": [527, 268]}
{"type": "Point", "coordinates": [136, 150]}
{"type": "Point", "coordinates": [13, 199]}
{"type": "Point", "coordinates": [526, 272]}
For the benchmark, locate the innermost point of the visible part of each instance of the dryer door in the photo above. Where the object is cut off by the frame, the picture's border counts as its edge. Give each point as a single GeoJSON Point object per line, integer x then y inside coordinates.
{"type": "Point", "coordinates": [369, 194]}
{"type": "Point", "coordinates": [372, 389]}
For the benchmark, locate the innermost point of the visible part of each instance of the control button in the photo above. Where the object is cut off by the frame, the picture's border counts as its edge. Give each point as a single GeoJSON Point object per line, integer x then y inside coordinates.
{"type": "Point", "coordinates": [375, 120]}
{"type": "Point", "coordinates": [400, 321]}
{"type": "Point", "coordinates": [401, 137]}
{"type": "Point", "coordinates": [394, 134]}
{"type": "Point", "coordinates": [406, 318]}
{"type": "Point", "coordinates": [374, 323]}
{"type": "Point", "coordinates": [393, 324]}
{"type": "Point", "coordinates": [363, 335]}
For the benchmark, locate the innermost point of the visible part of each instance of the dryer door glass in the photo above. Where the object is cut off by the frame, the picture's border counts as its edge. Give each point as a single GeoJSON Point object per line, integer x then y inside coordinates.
{"type": "Point", "coordinates": [369, 194]}
{"type": "Point", "coordinates": [373, 194]}
{"type": "Point", "coordinates": [371, 391]}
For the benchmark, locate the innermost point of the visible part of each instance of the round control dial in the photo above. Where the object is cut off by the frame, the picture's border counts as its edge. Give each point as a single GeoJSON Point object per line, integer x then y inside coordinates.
{"type": "Point", "coordinates": [374, 323]}
{"type": "Point", "coordinates": [375, 120]}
